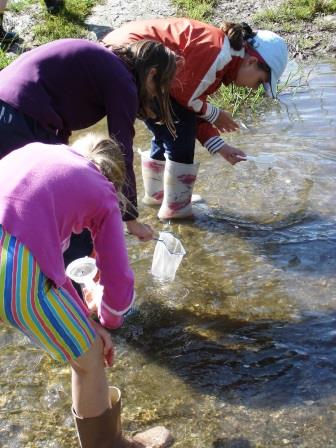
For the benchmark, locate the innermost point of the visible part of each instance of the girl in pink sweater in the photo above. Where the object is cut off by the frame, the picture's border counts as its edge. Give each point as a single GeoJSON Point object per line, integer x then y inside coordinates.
{"type": "Point", "coordinates": [46, 193]}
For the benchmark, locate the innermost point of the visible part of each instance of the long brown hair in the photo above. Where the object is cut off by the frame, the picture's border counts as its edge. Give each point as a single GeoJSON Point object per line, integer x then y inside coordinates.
{"type": "Point", "coordinates": [140, 57]}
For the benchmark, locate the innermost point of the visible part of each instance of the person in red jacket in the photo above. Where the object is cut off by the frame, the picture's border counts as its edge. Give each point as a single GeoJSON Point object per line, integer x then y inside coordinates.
{"type": "Point", "coordinates": [232, 54]}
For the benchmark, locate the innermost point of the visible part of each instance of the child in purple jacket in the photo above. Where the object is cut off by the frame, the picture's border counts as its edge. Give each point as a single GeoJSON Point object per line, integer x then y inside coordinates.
{"type": "Point", "coordinates": [71, 84]}
{"type": "Point", "coordinates": [46, 193]}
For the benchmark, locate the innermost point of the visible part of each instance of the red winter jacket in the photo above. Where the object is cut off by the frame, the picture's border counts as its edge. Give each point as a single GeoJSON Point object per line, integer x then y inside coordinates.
{"type": "Point", "coordinates": [208, 62]}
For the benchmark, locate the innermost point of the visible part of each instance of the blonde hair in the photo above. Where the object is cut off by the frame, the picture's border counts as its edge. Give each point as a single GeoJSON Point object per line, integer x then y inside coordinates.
{"type": "Point", "coordinates": [105, 153]}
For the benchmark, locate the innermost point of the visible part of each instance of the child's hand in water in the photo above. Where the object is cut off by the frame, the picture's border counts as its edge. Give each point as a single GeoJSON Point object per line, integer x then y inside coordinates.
{"type": "Point", "coordinates": [225, 122]}
{"type": "Point", "coordinates": [143, 232]}
{"type": "Point", "coordinates": [107, 343]}
{"type": "Point", "coordinates": [231, 154]}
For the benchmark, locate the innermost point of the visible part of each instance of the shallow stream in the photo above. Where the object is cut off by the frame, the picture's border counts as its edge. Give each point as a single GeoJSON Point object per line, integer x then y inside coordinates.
{"type": "Point", "coordinates": [239, 351]}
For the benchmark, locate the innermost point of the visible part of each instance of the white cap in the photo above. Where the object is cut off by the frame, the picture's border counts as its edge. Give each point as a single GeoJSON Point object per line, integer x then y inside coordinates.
{"type": "Point", "coordinates": [273, 50]}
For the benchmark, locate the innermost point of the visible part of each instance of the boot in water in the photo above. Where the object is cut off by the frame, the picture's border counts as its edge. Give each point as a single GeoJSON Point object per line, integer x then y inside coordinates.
{"type": "Point", "coordinates": [105, 430]}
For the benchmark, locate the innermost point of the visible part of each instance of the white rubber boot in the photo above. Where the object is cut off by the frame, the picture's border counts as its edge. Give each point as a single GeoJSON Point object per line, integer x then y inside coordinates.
{"type": "Point", "coordinates": [179, 180]}
{"type": "Point", "coordinates": [152, 175]}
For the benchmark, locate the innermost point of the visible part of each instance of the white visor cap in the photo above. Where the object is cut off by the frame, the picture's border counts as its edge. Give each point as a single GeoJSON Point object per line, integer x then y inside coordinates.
{"type": "Point", "coordinates": [273, 49]}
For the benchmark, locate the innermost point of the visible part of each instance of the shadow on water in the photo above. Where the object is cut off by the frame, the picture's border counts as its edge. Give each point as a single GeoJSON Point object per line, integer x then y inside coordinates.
{"type": "Point", "coordinates": [266, 364]}
{"type": "Point", "coordinates": [232, 443]}
{"type": "Point", "coordinates": [307, 246]}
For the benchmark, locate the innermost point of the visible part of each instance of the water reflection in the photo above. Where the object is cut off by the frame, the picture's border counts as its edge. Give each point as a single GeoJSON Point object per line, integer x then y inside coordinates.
{"type": "Point", "coordinates": [239, 350]}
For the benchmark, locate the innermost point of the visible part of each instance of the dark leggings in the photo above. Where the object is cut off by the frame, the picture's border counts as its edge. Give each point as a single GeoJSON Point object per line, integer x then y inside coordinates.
{"type": "Point", "coordinates": [180, 149]}
{"type": "Point", "coordinates": [18, 129]}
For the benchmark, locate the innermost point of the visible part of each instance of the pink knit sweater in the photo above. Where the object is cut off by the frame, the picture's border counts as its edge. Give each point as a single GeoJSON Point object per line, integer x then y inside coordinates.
{"type": "Point", "coordinates": [46, 193]}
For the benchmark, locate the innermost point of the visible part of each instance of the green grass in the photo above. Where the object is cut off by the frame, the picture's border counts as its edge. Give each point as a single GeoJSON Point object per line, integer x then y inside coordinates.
{"type": "Point", "coordinates": [68, 23]}
{"type": "Point", "coordinates": [196, 9]}
{"type": "Point", "coordinates": [20, 5]}
{"type": "Point", "coordinates": [238, 99]}
{"type": "Point", "coordinates": [4, 59]}
{"type": "Point", "coordinates": [299, 10]}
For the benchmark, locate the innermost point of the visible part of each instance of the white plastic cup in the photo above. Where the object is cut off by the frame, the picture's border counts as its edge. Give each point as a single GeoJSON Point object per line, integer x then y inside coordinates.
{"type": "Point", "coordinates": [83, 271]}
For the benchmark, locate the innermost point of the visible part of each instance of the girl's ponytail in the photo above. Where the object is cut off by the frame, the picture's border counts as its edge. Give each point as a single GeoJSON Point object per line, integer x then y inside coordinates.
{"type": "Point", "coordinates": [238, 34]}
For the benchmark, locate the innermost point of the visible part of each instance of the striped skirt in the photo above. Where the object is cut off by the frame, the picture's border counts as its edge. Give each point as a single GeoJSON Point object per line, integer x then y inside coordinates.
{"type": "Point", "coordinates": [49, 316]}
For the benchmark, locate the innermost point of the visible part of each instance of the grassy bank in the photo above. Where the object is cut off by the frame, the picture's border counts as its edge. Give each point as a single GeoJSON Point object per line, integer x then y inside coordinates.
{"type": "Point", "coordinates": [67, 23]}
{"type": "Point", "coordinates": [4, 59]}
{"type": "Point", "coordinates": [196, 9]}
{"type": "Point", "coordinates": [294, 11]}
{"type": "Point", "coordinates": [292, 16]}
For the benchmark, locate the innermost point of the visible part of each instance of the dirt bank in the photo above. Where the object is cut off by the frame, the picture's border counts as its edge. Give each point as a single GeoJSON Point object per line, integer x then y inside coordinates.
{"type": "Point", "coordinates": [311, 39]}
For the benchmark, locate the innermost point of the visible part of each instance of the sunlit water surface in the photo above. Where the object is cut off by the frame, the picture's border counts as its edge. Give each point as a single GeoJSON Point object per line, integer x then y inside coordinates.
{"type": "Point", "coordinates": [239, 351]}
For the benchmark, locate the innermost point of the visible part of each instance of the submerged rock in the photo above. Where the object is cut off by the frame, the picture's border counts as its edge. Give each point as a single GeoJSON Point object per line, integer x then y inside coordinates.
{"type": "Point", "coordinates": [156, 437]}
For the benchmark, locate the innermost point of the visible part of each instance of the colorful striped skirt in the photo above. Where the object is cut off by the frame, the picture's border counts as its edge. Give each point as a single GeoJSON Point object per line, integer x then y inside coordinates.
{"type": "Point", "coordinates": [48, 315]}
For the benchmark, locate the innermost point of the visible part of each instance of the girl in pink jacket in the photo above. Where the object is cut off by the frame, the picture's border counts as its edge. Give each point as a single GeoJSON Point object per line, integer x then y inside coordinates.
{"type": "Point", "coordinates": [232, 54]}
{"type": "Point", "coordinates": [46, 193]}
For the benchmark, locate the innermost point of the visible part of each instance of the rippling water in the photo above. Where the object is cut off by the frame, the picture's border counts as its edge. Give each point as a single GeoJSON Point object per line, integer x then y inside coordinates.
{"type": "Point", "coordinates": [239, 350]}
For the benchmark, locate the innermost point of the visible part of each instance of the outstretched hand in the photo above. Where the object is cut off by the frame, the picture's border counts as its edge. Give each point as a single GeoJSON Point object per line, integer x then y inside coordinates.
{"type": "Point", "coordinates": [231, 154]}
{"type": "Point", "coordinates": [225, 122]}
{"type": "Point", "coordinates": [143, 232]}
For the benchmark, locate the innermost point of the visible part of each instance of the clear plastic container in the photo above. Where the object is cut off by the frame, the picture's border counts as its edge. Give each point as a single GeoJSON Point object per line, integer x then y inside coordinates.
{"type": "Point", "coordinates": [168, 254]}
{"type": "Point", "coordinates": [263, 159]}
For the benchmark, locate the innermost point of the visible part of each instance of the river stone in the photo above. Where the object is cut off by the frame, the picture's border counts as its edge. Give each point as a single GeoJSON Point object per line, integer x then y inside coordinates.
{"type": "Point", "coordinates": [156, 437]}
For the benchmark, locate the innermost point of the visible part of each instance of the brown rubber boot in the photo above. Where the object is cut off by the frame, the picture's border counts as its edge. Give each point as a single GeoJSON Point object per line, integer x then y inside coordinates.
{"type": "Point", "coordinates": [94, 432]}
{"type": "Point", "coordinates": [105, 430]}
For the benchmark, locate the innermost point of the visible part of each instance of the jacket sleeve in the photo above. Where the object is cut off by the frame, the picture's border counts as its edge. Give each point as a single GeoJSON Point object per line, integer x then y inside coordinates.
{"type": "Point", "coordinates": [116, 276]}
{"type": "Point", "coordinates": [194, 95]}
{"type": "Point", "coordinates": [196, 100]}
{"type": "Point", "coordinates": [209, 136]}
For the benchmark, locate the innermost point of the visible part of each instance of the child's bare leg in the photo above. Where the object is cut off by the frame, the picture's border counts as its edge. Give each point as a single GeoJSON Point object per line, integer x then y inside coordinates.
{"type": "Point", "coordinates": [89, 384]}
